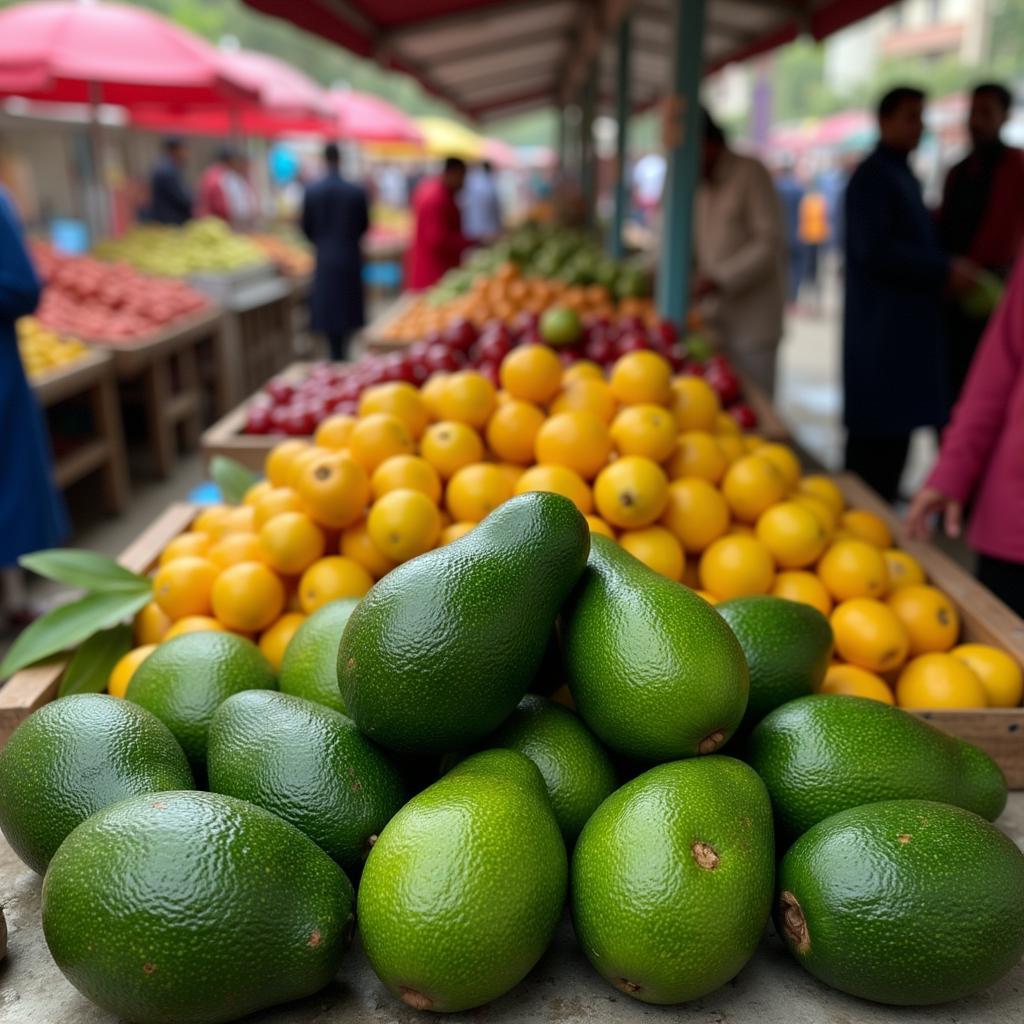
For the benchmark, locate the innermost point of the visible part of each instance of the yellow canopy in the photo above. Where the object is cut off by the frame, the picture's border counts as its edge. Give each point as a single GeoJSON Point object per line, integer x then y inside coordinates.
{"type": "Point", "coordinates": [448, 138]}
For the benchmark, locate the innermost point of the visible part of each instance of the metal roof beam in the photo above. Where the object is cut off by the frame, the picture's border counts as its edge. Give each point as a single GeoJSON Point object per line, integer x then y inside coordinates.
{"type": "Point", "coordinates": [499, 46]}
{"type": "Point", "coordinates": [459, 19]}
{"type": "Point", "coordinates": [604, 17]}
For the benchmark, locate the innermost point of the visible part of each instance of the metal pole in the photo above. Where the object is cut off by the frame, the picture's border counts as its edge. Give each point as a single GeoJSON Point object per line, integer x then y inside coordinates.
{"type": "Point", "coordinates": [682, 131]}
{"type": "Point", "coordinates": [622, 103]}
{"type": "Point", "coordinates": [588, 167]}
{"type": "Point", "coordinates": [563, 141]}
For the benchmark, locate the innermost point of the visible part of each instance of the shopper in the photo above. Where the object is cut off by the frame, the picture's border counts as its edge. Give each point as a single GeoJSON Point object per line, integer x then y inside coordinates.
{"type": "Point", "coordinates": [225, 192]}
{"type": "Point", "coordinates": [480, 205]}
{"type": "Point", "coordinates": [169, 197]}
{"type": "Point", "coordinates": [982, 215]}
{"type": "Point", "coordinates": [791, 194]}
{"type": "Point", "coordinates": [335, 216]}
{"type": "Point", "coordinates": [894, 365]}
{"type": "Point", "coordinates": [982, 455]}
{"type": "Point", "coordinates": [740, 250]}
{"type": "Point", "coordinates": [437, 238]}
{"type": "Point", "coordinates": [32, 513]}
{"type": "Point", "coordinates": [814, 235]}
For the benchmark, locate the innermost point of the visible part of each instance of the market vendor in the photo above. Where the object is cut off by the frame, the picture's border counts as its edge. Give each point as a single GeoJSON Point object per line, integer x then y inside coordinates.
{"type": "Point", "coordinates": [170, 200]}
{"type": "Point", "coordinates": [437, 238]}
{"type": "Point", "coordinates": [32, 514]}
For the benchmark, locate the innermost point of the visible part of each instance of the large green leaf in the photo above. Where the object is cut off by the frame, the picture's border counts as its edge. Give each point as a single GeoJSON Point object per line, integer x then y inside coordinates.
{"type": "Point", "coordinates": [91, 665]}
{"type": "Point", "coordinates": [66, 627]}
{"type": "Point", "coordinates": [87, 570]}
{"type": "Point", "coordinates": [232, 478]}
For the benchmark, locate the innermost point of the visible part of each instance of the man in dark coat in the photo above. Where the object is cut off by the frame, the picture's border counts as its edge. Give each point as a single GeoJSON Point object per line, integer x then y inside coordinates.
{"type": "Point", "coordinates": [335, 217]}
{"type": "Point", "coordinates": [170, 198]}
{"type": "Point", "coordinates": [894, 359]}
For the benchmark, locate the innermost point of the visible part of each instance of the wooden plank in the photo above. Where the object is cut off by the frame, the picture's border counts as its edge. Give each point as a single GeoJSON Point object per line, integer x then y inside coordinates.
{"type": "Point", "coordinates": [998, 731]}
{"type": "Point", "coordinates": [71, 379]}
{"type": "Point", "coordinates": [371, 336]}
{"type": "Point", "coordinates": [131, 358]}
{"type": "Point", "coordinates": [80, 461]}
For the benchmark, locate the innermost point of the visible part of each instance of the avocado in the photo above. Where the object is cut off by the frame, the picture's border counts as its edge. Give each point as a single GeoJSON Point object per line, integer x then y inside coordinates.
{"type": "Point", "coordinates": [576, 769]}
{"type": "Point", "coordinates": [787, 645]}
{"type": "Point", "coordinates": [441, 649]}
{"type": "Point", "coordinates": [310, 665]}
{"type": "Point", "coordinates": [308, 764]}
{"type": "Point", "coordinates": [822, 754]}
{"type": "Point", "coordinates": [908, 902]}
{"type": "Point", "coordinates": [654, 670]}
{"type": "Point", "coordinates": [672, 879]}
{"type": "Point", "coordinates": [75, 756]}
{"type": "Point", "coordinates": [463, 890]}
{"type": "Point", "coordinates": [186, 679]}
{"type": "Point", "coordinates": [185, 907]}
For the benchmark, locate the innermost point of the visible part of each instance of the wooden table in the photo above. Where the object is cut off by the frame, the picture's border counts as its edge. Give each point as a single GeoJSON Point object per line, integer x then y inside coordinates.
{"type": "Point", "coordinates": [92, 378]}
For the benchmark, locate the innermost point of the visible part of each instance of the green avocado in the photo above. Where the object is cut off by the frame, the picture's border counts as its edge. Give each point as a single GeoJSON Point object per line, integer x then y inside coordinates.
{"type": "Point", "coordinates": [309, 667]}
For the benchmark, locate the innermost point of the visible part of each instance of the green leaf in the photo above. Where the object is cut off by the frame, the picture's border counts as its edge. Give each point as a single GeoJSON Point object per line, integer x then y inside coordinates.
{"type": "Point", "coordinates": [90, 666]}
{"type": "Point", "coordinates": [87, 570]}
{"type": "Point", "coordinates": [67, 626]}
{"type": "Point", "coordinates": [232, 478]}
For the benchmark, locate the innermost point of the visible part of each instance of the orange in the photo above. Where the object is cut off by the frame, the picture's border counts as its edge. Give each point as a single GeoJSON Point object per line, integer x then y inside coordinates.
{"type": "Point", "coordinates": [750, 485]}
{"type": "Point", "coordinates": [851, 681]}
{"type": "Point", "coordinates": [938, 680]}
{"type": "Point", "coordinates": [558, 480]}
{"type": "Point", "coordinates": [804, 587]}
{"type": "Point", "coordinates": [699, 454]}
{"type": "Point", "coordinates": [904, 569]}
{"type": "Point", "coordinates": [236, 547]}
{"type": "Point", "coordinates": [182, 587]}
{"type": "Point", "coordinates": [303, 459]}
{"type": "Point", "coordinates": [782, 458]}
{"type": "Point", "coordinates": [377, 437]}
{"type": "Point", "coordinates": [823, 511]}
{"type": "Point", "coordinates": [824, 487]}
{"type": "Point", "coordinates": [357, 544]}
{"type": "Point", "coordinates": [210, 519]}
{"type": "Point", "coordinates": [578, 440]}
{"type": "Point", "coordinates": [274, 639]}
{"type": "Point", "coordinates": [278, 467]}
{"type": "Point", "coordinates": [598, 525]}
{"type": "Point", "coordinates": [454, 531]}
{"type": "Point", "coordinates": [239, 520]}
{"type": "Point", "coordinates": [587, 396]}
{"type": "Point", "coordinates": [932, 620]}
{"type": "Point", "coordinates": [792, 533]}
{"type": "Point", "coordinates": [448, 446]}
{"type": "Point", "coordinates": [696, 513]}
{"type": "Point", "coordinates": [512, 473]}
{"type": "Point", "coordinates": [998, 672]}
{"type": "Point", "coordinates": [853, 568]}
{"type": "Point", "coordinates": [399, 399]}
{"type": "Point", "coordinates": [151, 624]}
{"type": "Point", "coordinates": [475, 491]}
{"type": "Point", "coordinates": [640, 377]}
{"type": "Point", "coordinates": [248, 597]}
{"type": "Point", "coordinates": [194, 544]}
{"type": "Point", "coordinates": [657, 548]}
{"type": "Point", "coordinates": [751, 442]}
{"type": "Point", "coordinates": [644, 430]}
{"type": "Point", "coordinates": [410, 471]}
{"type": "Point", "coordinates": [334, 432]}
{"type": "Point", "coordinates": [469, 397]}
{"type": "Point", "coordinates": [732, 447]}
{"type": "Point", "coordinates": [631, 492]}
{"type": "Point", "coordinates": [194, 624]}
{"type": "Point", "coordinates": [273, 503]}
{"type": "Point", "coordinates": [706, 595]}
{"type": "Point", "coordinates": [431, 393]}
{"type": "Point", "coordinates": [869, 634]}
{"type": "Point", "coordinates": [512, 430]}
{"type": "Point", "coordinates": [403, 524]}
{"type": "Point", "coordinates": [867, 526]}
{"type": "Point", "coordinates": [291, 542]}
{"type": "Point", "coordinates": [329, 578]}
{"type": "Point", "coordinates": [254, 493]}
{"type": "Point", "coordinates": [532, 373]}
{"type": "Point", "coordinates": [735, 566]}
{"type": "Point", "coordinates": [582, 369]}
{"type": "Point", "coordinates": [695, 404]}
{"type": "Point", "coordinates": [725, 425]}
{"type": "Point", "coordinates": [334, 489]}
{"type": "Point", "coordinates": [123, 670]}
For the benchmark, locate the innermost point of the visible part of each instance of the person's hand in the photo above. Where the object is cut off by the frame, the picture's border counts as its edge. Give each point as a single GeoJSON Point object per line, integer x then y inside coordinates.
{"type": "Point", "coordinates": [928, 502]}
{"type": "Point", "coordinates": [963, 275]}
{"type": "Point", "coordinates": [703, 286]}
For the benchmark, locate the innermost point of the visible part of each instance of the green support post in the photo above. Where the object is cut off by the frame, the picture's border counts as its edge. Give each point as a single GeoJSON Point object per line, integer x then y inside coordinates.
{"type": "Point", "coordinates": [588, 164]}
{"type": "Point", "coordinates": [622, 103]}
{"type": "Point", "coordinates": [683, 143]}
{"type": "Point", "coordinates": [563, 141]}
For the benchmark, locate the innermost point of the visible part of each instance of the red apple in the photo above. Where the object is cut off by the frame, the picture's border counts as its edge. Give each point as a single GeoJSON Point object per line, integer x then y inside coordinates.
{"type": "Point", "coordinates": [743, 415]}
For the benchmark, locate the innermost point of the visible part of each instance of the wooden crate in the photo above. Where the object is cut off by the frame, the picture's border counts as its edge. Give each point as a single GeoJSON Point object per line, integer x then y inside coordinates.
{"type": "Point", "coordinates": [32, 687]}
{"type": "Point", "coordinates": [985, 619]}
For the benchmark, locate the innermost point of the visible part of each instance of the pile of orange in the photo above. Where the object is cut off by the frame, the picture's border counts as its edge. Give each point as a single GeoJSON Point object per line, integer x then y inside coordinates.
{"type": "Point", "coordinates": [650, 459]}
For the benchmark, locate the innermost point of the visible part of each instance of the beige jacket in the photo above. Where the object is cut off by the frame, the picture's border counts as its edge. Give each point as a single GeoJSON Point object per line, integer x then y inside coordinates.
{"type": "Point", "coordinates": [740, 245]}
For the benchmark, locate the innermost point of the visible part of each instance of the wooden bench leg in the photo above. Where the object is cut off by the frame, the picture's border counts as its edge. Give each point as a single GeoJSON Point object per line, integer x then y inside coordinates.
{"type": "Point", "coordinates": [188, 380]}
{"type": "Point", "coordinates": [156, 382]}
{"type": "Point", "coordinates": [106, 411]}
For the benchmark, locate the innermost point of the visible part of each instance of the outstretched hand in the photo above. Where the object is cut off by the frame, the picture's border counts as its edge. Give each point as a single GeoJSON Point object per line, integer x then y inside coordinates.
{"type": "Point", "coordinates": [927, 503]}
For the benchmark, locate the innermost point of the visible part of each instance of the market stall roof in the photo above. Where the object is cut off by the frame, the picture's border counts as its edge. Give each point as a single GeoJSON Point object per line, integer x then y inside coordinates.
{"type": "Point", "coordinates": [491, 58]}
{"type": "Point", "coordinates": [449, 138]}
{"type": "Point", "coordinates": [368, 119]}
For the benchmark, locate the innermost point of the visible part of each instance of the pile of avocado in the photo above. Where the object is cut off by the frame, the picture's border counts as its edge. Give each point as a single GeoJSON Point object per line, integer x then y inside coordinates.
{"type": "Point", "coordinates": [210, 844]}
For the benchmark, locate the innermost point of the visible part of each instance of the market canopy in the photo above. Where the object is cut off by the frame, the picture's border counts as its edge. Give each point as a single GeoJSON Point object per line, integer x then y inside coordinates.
{"type": "Point", "coordinates": [370, 120]}
{"type": "Point", "coordinates": [442, 138]}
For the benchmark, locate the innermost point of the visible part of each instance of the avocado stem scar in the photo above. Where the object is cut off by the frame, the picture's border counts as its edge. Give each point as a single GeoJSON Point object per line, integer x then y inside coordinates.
{"type": "Point", "coordinates": [794, 924]}
{"type": "Point", "coordinates": [627, 986]}
{"type": "Point", "coordinates": [711, 742]}
{"type": "Point", "coordinates": [705, 855]}
{"type": "Point", "coordinates": [417, 1000]}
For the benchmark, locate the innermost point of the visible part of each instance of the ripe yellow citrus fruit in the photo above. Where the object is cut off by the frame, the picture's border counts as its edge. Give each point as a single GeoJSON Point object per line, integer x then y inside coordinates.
{"type": "Point", "coordinates": [696, 513]}
{"type": "Point", "coordinates": [751, 442]}
{"type": "Point", "coordinates": [640, 377]}
{"type": "Point", "coordinates": [431, 393]}
{"type": "Point", "coordinates": [578, 440]}
{"type": "Point", "coordinates": [736, 566]}
{"type": "Point", "coordinates": [725, 425]}
{"type": "Point", "coordinates": [195, 544]}
{"type": "Point", "coordinates": [475, 491]}
{"type": "Point", "coordinates": [278, 466]}
{"type": "Point", "coordinates": [404, 524]}
{"type": "Point", "coordinates": [822, 510]}
{"type": "Point", "coordinates": [377, 437]}
{"type": "Point", "coordinates": [598, 525]}
{"type": "Point", "coordinates": [334, 433]}
{"type": "Point", "coordinates": [699, 454]}
{"type": "Point", "coordinates": [644, 430]}
{"type": "Point", "coordinates": [938, 680]}
{"type": "Point", "coordinates": [254, 493]}
{"type": "Point", "coordinates": [151, 624]}
{"type": "Point", "coordinates": [851, 681]}
{"type": "Point", "coordinates": [182, 587]}
{"type": "Point", "coordinates": [587, 396]}
{"type": "Point", "coordinates": [275, 638]}
{"type": "Point", "coordinates": [657, 548]}
{"type": "Point", "coordinates": [582, 369]}
{"type": "Point", "coordinates": [558, 480]}
{"type": "Point", "coordinates": [782, 457]}
{"type": "Point", "coordinates": [998, 672]}
{"type": "Point", "coordinates": [532, 373]}
{"type": "Point", "coordinates": [291, 542]}
{"type": "Point", "coordinates": [931, 619]}
{"type": "Point", "coordinates": [273, 503]}
{"type": "Point", "coordinates": [512, 473]}
{"type": "Point", "coordinates": [357, 544]}
{"type": "Point", "coordinates": [731, 446]}
{"type": "Point", "coordinates": [122, 672]}
{"type": "Point", "coordinates": [819, 485]}
{"type": "Point", "coordinates": [453, 531]}
{"type": "Point", "coordinates": [904, 569]}
{"type": "Point", "coordinates": [631, 492]}
{"type": "Point", "coordinates": [210, 519]}
{"type": "Point", "coordinates": [512, 430]}
{"type": "Point", "coordinates": [792, 533]}
{"type": "Point", "coordinates": [235, 548]}
{"type": "Point", "coordinates": [750, 485]}
{"type": "Point", "coordinates": [334, 489]}
{"type": "Point", "coordinates": [804, 587]}
{"type": "Point", "coordinates": [330, 578]}
{"type": "Point", "coordinates": [399, 399]}
{"type": "Point", "coordinates": [406, 471]}
{"type": "Point", "coordinates": [248, 597]}
{"type": "Point", "coordinates": [194, 624]}
{"type": "Point", "coordinates": [853, 568]}
{"type": "Point", "coordinates": [695, 404]}
{"type": "Point", "coordinates": [867, 526]}
{"type": "Point", "coordinates": [448, 446]}
{"type": "Point", "coordinates": [239, 520]}
{"type": "Point", "coordinates": [706, 595]}
{"type": "Point", "coordinates": [468, 397]}
{"type": "Point", "coordinates": [869, 634]}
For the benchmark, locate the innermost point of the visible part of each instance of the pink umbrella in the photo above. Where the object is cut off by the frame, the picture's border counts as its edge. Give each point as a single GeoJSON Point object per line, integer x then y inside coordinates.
{"type": "Point", "coordinates": [366, 118]}
{"type": "Point", "coordinates": [281, 88]}
{"type": "Point", "coordinates": [501, 154]}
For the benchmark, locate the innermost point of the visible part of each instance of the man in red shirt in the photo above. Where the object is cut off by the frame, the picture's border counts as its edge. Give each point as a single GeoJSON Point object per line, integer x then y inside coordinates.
{"type": "Point", "coordinates": [437, 238]}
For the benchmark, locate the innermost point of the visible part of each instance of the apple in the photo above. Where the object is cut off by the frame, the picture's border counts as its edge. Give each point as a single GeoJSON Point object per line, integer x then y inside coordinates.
{"type": "Point", "coordinates": [493, 345]}
{"type": "Point", "coordinates": [600, 349]}
{"type": "Point", "coordinates": [632, 341]}
{"type": "Point", "coordinates": [441, 358]}
{"type": "Point", "coordinates": [664, 334]}
{"type": "Point", "coordinates": [743, 415]}
{"type": "Point", "coordinates": [460, 334]}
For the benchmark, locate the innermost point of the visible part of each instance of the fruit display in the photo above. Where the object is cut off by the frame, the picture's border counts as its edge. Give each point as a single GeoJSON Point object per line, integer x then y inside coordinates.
{"type": "Point", "coordinates": [42, 349]}
{"type": "Point", "coordinates": [291, 257]}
